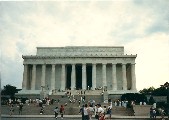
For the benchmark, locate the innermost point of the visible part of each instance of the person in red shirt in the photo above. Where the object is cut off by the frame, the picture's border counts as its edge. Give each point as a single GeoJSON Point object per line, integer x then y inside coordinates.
{"type": "Point", "coordinates": [62, 111]}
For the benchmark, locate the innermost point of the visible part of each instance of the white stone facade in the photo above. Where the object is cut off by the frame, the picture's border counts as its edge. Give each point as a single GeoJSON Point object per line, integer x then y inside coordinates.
{"type": "Point", "coordinates": [81, 67]}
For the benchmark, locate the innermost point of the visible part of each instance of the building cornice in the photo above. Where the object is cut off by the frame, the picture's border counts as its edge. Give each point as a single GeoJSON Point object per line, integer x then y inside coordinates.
{"type": "Point", "coordinates": [78, 56]}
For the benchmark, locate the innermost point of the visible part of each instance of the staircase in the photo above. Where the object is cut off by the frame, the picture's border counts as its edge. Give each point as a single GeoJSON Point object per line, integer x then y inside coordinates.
{"type": "Point", "coordinates": [70, 109]}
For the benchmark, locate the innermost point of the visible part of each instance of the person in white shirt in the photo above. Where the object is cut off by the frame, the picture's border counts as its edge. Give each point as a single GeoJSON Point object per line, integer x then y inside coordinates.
{"type": "Point", "coordinates": [100, 111]}
{"type": "Point", "coordinates": [56, 110]}
{"type": "Point", "coordinates": [86, 112]}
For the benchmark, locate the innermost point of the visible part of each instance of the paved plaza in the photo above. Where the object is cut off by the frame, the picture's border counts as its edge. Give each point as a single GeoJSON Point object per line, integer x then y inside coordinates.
{"type": "Point", "coordinates": [58, 119]}
{"type": "Point", "coordinates": [72, 117]}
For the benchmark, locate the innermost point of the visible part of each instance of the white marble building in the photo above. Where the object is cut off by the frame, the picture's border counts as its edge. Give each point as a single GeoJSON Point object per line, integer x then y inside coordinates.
{"type": "Point", "coordinates": [79, 67]}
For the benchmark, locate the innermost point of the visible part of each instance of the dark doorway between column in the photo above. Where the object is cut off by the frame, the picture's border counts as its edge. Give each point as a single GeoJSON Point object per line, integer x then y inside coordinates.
{"type": "Point", "coordinates": [68, 77]}
{"type": "Point", "coordinates": [78, 77]}
{"type": "Point", "coordinates": [89, 76]}
{"type": "Point", "coordinates": [30, 67]}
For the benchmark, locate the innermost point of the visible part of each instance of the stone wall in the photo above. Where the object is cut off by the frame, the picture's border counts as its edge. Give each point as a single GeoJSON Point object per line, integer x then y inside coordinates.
{"type": "Point", "coordinates": [141, 110]}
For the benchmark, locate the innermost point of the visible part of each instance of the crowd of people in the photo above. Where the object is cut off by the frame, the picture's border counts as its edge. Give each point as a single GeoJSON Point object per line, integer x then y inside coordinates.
{"type": "Point", "coordinates": [88, 109]}
{"type": "Point", "coordinates": [99, 112]}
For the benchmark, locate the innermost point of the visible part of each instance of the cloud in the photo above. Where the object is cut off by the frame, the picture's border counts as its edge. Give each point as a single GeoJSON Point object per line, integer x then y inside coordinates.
{"type": "Point", "coordinates": [140, 26]}
{"type": "Point", "coordinates": [152, 60]}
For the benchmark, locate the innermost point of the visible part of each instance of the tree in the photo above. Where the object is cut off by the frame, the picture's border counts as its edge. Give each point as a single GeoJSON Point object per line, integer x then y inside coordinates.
{"type": "Point", "coordinates": [148, 91]}
{"type": "Point", "coordinates": [9, 90]}
{"type": "Point", "coordinates": [161, 91]}
{"type": "Point", "coordinates": [134, 97]}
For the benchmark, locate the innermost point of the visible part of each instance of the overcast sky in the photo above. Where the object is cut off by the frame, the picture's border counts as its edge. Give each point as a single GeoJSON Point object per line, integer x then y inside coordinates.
{"type": "Point", "coordinates": [141, 26]}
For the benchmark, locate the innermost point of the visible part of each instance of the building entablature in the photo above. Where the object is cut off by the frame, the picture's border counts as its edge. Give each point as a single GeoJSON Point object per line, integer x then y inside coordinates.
{"type": "Point", "coordinates": [80, 61]}
{"type": "Point", "coordinates": [79, 56]}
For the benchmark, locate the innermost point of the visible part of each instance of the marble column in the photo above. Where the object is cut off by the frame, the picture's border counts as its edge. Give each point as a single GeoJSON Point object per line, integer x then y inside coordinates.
{"type": "Point", "coordinates": [25, 77]}
{"type": "Point", "coordinates": [53, 77]}
{"type": "Point", "coordinates": [73, 77]}
{"type": "Point", "coordinates": [63, 78]}
{"type": "Point", "coordinates": [43, 76]}
{"type": "Point", "coordinates": [133, 77]}
{"type": "Point", "coordinates": [114, 79]}
{"type": "Point", "coordinates": [33, 77]}
{"type": "Point", "coordinates": [94, 76]}
{"type": "Point", "coordinates": [104, 75]}
{"type": "Point", "coordinates": [124, 77]}
{"type": "Point", "coordinates": [84, 82]}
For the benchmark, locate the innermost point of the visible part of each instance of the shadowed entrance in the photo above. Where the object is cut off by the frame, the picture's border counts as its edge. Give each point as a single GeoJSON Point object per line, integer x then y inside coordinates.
{"type": "Point", "coordinates": [68, 76]}
{"type": "Point", "coordinates": [78, 77]}
{"type": "Point", "coordinates": [89, 76]}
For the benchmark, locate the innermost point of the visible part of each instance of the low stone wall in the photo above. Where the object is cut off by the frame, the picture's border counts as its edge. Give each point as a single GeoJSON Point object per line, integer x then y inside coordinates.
{"type": "Point", "coordinates": [158, 98]}
{"type": "Point", "coordinates": [141, 110]}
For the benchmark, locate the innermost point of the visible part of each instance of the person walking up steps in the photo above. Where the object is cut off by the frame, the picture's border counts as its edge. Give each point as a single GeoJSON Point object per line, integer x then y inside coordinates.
{"type": "Point", "coordinates": [20, 108]}
{"type": "Point", "coordinates": [56, 110]}
{"type": "Point", "coordinates": [82, 111]}
{"type": "Point", "coordinates": [62, 111]}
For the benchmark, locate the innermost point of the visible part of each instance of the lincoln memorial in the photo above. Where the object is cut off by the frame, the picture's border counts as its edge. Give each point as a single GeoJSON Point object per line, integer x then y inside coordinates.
{"type": "Point", "coordinates": [79, 68]}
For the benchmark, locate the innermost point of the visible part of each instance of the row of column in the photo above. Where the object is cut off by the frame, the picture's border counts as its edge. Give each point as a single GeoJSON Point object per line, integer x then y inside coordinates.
{"type": "Point", "coordinates": [84, 80]}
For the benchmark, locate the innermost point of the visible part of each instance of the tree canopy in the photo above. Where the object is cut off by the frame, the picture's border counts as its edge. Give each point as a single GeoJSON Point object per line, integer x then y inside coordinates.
{"type": "Point", "coordinates": [9, 90]}
{"type": "Point", "coordinates": [161, 91]}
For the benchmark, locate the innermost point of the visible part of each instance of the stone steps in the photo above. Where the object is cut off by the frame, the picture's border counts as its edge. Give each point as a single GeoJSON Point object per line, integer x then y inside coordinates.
{"type": "Point", "coordinates": [65, 99]}
{"type": "Point", "coordinates": [70, 109]}
{"type": "Point", "coordinates": [76, 92]}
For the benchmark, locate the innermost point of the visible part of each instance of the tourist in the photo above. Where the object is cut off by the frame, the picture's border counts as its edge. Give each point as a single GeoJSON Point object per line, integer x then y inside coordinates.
{"type": "Point", "coordinates": [42, 110]}
{"type": "Point", "coordinates": [56, 110]}
{"type": "Point", "coordinates": [109, 111]}
{"type": "Point", "coordinates": [62, 110]}
{"type": "Point", "coordinates": [100, 112]}
{"type": "Point", "coordinates": [105, 109]}
{"type": "Point", "coordinates": [58, 101]}
{"type": "Point", "coordinates": [79, 103]}
{"type": "Point", "coordinates": [154, 113]}
{"type": "Point", "coordinates": [82, 111]}
{"type": "Point", "coordinates": [20, 108]}
{"type": "Point", "coordinates": [95, 110]}
{"type": "Point", "coordinates": [91, 111]}
{"type": "Point", "coordinates": [86, 112]}
{"type": "Point", "coordinates": [11, 110]}
{"type": "Point", "coordinates": [151, 112]}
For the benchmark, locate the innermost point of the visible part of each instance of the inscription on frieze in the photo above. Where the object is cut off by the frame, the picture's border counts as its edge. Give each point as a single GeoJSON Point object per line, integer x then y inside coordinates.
{"type": "Point", "coordinates": [80, 51]}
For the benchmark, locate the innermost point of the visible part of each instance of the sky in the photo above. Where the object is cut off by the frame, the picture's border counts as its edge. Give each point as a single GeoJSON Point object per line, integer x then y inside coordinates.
{"type": "Point", "coordinates": [141, 26]}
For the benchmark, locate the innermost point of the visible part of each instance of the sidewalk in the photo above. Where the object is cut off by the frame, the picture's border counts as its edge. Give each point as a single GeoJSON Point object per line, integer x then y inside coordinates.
{"type": "Point", "coordinates": [74, 116]}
